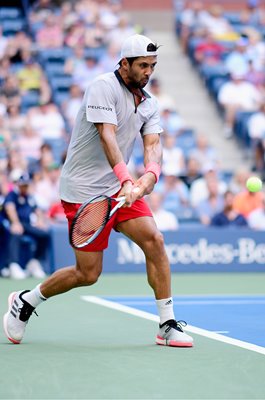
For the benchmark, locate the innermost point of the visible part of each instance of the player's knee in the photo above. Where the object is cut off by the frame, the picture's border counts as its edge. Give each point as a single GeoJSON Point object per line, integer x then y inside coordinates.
{"type": "Point", "coordinates": [156, 241]}
{"type": "Point", "coordinates": [89, 278]}
{"type": "Point", "coordinates": [159, 240]}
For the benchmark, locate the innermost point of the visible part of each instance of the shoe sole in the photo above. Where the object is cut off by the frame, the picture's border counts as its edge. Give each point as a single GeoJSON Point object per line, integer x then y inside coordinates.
{"type": "Point", "coordinates": [172, 343]}
{"type": "Point", "coordinates": [10, 301]}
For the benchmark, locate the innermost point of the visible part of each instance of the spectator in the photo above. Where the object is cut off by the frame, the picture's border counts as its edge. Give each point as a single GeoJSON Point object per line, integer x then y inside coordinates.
{"type": "Point", "coordinates": [165, 220]}
{"type": "Point", "coordinates": [254, 76]}
{"type": "Point", "coordinates": [77, 60]}
{"type": "Point", "coordinates": [209, 51]}
{"type": "Point", "coordinates": [165, 101]}
{"type": "Point", "coordinates": [199, 188]}
{"type": "Point", "coordinates": [110, 59]}
{"type": "Point", "coordinates": [256, 218]}
{"type": "Point", "coordinates": [228, 216]}
{"type": "Point", "coordinates": [9, 92]}
{"type": "Point", "coordinates": [204, 151]}
{"type": "Point", "coordinates": [173, 157]}
{"type": "Point", "coordinates": [15, 121]}
{"type": "Point", "coordinates": [75, 35]}
{"type": "Point", "coordinates": [3, 43]}
{"type": "Point", "coordinates": [216, 23]}
{"type": "Point", "coordinates": [40, 169]}
{"type": "Point", "coordinates": [5, 66]}
{"type": "Point", "coordinates": [176, 194]}
{"type": "Point", "coordinates": [84, 74]}
{"type": "Point", "coordinates": [192, 171]}
{"type": "Point", "coordinates": [213, 204]}
{"type": "Point", "coordinates": [237, 95]}
{"type": "Point", "coordinates": [31, 78]}
{"type": "Point", "coordinates": [72, 105]}
{"type": "Point", "coordinates": [237, 61]}
{"type": "Point", "coordinates": [172, 122]}
{"type": "Point", "coordinates": [18, 44]}
{"type": "Point", "coordinates": [245, 202]}
{"type": "Point", "coordinates": [192, 20]}
{"type": "Point", "coordinates": [256, 131]}
{"type": "Point", "coordinates": [17, 164]}
{"type": "Point", "coordinates": [29, 144]}
{"type": "Point", "coordinates": [19, 209]}
{"type": "Point", "coordinates": [124, 29]}
{"type": "Point", "coordinates": [50, 35]}
{"type": "Point", "coordinates": [256, 49]}
{"type": "Point", "coordinates": [46, 189]}
{"type": "Point", "coordinates": [47, 121]}
{"type": "Point", "coordinates": [238, 181]}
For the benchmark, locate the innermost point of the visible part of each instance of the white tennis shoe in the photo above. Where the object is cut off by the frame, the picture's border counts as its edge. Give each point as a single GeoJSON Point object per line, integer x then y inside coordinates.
{"type": "Point", "coordinates": [172, 334]}
{"type": "Point", "coordinates": [17, 316]}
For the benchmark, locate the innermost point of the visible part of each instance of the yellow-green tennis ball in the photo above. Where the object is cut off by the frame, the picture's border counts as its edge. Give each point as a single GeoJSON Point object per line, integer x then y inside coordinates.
{"type": "Point", "coordinates": [254, 184]}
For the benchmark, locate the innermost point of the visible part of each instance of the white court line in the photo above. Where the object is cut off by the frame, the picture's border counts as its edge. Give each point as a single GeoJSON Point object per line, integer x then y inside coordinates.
{"type": "Point", "coordinates": [189, 328]}
{"type": "Point", "coordinates": [197, 302]}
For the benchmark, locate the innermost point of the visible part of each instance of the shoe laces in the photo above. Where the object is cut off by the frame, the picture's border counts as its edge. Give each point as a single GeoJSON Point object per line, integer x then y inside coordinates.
{"type": "Point", "coordinates": [172, 323]}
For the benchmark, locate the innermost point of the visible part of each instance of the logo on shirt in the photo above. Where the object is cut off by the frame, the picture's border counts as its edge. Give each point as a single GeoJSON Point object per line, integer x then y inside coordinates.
{"type": "Point", "coordinates": [100, 108]}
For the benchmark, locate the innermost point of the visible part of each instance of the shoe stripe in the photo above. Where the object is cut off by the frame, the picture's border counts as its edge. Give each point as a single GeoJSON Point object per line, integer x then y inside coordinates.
{"type": "Point", "coordinates": [16, 303]}
{"type": "Point", "coordinates": [14, 308]}
{"type": "Point", "coordinates": [12, 313]}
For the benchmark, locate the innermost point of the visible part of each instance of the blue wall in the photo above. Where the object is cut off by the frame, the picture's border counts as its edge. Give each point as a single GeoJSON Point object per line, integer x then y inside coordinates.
{"type": "Point", "coordinates": [190, 249]}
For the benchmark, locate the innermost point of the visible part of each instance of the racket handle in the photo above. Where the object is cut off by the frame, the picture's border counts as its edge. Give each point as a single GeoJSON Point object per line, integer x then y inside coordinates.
{"type": "Point", "coordinates": [121, 201]}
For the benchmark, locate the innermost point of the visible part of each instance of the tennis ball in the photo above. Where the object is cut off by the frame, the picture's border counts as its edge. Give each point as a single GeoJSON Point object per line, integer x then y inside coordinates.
{"type": "Point", "coordinates": [254, 184]}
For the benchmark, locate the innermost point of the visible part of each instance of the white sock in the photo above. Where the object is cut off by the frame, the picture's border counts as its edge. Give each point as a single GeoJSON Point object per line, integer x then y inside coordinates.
{"type": "Point", "coordinates": [34, 297]}
{"type": "Point", "coordinates": [165, 309]}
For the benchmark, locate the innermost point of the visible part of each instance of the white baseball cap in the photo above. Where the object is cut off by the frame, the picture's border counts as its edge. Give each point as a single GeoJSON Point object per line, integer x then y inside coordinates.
{"type": "Point", "coordinates": [138, 46]}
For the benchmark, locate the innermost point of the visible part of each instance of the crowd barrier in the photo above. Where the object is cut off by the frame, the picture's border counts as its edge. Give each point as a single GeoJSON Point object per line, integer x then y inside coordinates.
{"type": "Point", "coordinates": [190, 249]}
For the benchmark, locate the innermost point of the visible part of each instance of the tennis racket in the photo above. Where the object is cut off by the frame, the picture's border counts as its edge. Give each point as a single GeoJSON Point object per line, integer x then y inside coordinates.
{"type": "Point", "coordinates": [91, 218]}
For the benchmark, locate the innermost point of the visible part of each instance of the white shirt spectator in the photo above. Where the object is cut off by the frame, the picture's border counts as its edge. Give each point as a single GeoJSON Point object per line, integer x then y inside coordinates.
{"type": "Point", "coordinates": [173, 158]}
{"type": "Point", "coordinates": [256, 219]}
{"type": "Point", "coordinates": [256, 125]}
{"type": "Point", "coordinates": [47, 121]}
{"type": "Point", "coordinates": [165, 220]}
{"type": "Point", "coordinates": [242, 93]}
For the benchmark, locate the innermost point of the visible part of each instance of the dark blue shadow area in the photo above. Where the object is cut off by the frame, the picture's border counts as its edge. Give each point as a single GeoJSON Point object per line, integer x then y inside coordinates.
{"type": "Point", "coordinates": [238, 317]}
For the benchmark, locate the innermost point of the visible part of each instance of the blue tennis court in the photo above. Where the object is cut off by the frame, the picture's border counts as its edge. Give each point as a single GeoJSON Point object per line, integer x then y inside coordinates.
{"type": "Point", "coordinates": [238, 317]}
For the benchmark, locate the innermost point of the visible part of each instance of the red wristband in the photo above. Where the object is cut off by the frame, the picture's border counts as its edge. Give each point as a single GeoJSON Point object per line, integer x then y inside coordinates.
{"type": "Point", "coordinates": [121, 171]}
{"type": "Point", "coordinates": [155, 168]}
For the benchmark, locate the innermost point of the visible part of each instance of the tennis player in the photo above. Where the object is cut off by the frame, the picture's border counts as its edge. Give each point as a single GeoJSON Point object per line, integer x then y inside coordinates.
{"type": "Point", "coordinates": [114, 111]}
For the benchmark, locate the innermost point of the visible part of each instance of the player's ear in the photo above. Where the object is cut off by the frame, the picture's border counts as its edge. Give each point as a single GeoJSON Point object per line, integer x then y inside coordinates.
{"type": "Point", "coordinates": [125, 64]}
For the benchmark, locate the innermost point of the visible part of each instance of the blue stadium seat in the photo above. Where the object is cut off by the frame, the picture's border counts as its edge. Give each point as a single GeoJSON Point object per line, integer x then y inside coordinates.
{"type": "Point", "coordinates": [58, 146]}
{"type": "Point", "coordinates": [10, 13]}
{"type": "Point", "coordinates": [241, 126]}
{"type": "Point", "coordinates": [55, 55]}
{"type": "Point", "coordinates": [186, 141]}
{"type": "Point", "coordinates": [30, 99]}
{"type": "Point", "coordinates": [61, 83]}
{"type": "Point", "coordinates": [53, 68]}
{"type": "Point", "coordinates": [12, 26]}
{"type": "Point", "coordinates": [59, 97]}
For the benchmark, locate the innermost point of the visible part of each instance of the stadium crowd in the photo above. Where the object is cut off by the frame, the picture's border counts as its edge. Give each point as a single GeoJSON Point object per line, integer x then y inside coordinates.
{"type": "Point", "coordinates": [48, 58]}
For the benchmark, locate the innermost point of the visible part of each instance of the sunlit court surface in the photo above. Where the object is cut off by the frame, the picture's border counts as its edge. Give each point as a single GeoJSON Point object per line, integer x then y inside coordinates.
{"type": "Point", "coordinates": [98, 342]}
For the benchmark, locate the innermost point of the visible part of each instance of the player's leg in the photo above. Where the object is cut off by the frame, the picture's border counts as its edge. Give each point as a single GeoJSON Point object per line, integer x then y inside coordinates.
{"type": "Point", "coordinates": [144, 233]}
{"type": "Point", "coordinates": [21, 304]}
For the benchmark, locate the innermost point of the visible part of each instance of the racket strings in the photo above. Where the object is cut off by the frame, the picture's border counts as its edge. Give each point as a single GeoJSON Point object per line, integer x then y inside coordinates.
{"type": "Point", "coordinates": [90, 219]}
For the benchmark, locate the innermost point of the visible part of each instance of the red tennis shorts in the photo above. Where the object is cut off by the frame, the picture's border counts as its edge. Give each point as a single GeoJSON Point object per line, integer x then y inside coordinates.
{"type": "Point", "coordinates": [138, 209]}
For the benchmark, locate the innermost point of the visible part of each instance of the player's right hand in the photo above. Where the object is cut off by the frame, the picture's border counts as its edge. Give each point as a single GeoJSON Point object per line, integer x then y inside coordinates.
{"type": "Point", "coordinates": [130, 192]}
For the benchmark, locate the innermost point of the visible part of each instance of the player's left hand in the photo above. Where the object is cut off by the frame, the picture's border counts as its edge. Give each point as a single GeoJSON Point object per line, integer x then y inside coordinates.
{"type": "Point", "coordinates": [146, 183]}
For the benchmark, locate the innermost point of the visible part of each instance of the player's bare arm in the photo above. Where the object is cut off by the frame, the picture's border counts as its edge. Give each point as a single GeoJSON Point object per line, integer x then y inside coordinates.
{"type": "Point", "coordinates": [152, 155]}
{"type": "Point", "coordinates": [107, 133]}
